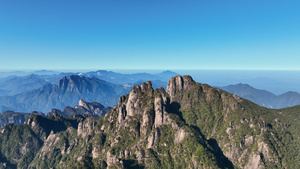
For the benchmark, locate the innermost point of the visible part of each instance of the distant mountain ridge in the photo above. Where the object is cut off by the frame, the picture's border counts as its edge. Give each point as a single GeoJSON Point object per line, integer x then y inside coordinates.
{"type": "Point", "coordinates": [263, 97]}
{"type": "Point", "coordinates": [13, 85]}
{"type": "Point", "coordinates": [120, 78]}
{"type": "Point", "coordinates": [66, 93]}
{"type": "Point", "coordinates": [48, 90]}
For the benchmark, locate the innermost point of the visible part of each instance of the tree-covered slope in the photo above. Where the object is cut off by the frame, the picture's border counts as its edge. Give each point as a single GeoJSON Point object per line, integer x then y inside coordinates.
{"type": "Point", "coordinates": [251, 136]}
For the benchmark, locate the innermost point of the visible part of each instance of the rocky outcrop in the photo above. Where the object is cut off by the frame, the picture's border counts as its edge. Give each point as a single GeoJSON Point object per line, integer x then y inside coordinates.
{"type": "Point", "coordinates": [112, 160]}
{"type": "Point", "coordinates": [86, 128]}
{"type": "Point", "coordinates": [84, 108]}
{"type": "Point", "coordinates": [144, 101]}
{"type": "Point", "coordinates": [95, 109]}
{"type": "Point", "coordinates": [160, 103]}
{"type": "Point", "coordinates": [180, 135]}
{"type": "Point", "coordinates": [254, 162]}
{"type": "Point", "coordinates": [122, 109]}
{"type": "Point", "coordinates": [132, 105]}
{"type": "Point", "coordinates": [178, 84]}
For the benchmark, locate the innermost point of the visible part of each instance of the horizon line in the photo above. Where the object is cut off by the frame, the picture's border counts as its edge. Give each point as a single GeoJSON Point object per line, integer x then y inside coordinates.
{"type": "Point", "coordinates": [86, 69]}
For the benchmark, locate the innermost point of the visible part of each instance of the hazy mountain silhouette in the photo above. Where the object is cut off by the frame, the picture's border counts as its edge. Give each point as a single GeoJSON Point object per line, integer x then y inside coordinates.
{"type": "Point", "coordinates": [67, 93]}
{"type": "Point", "coordinates": [263, 97]}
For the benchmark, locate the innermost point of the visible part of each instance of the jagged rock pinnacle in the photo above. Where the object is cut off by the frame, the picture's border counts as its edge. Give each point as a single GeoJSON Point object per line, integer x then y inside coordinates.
{"type": "Point", "coordinates": [82, 103]}
{"type": "Point", "coordinates": [179, 84]}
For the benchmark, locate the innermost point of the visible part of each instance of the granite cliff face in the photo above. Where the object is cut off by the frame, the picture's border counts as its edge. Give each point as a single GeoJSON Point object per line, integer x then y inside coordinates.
{"type": "Point", "coordinates": [191, 125]}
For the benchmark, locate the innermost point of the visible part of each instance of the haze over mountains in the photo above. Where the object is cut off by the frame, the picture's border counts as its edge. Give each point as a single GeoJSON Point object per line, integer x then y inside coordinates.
{"type": "Point", "coordinates": [263, 97]}
{"type": "Point", "coordinates": [44, 92]}
{"type": "Point", "coordinates": [15, 85]}
{"type": "Point", "coordinates": [274, 81]}
{"type": "Point", "coordinates": [66, 93]}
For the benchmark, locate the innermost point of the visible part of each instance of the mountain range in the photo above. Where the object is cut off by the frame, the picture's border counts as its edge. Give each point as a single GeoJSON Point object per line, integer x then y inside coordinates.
{"type": "Point", "coordinates": [66, 93]}
{"type": "Point", "coordinates": [44, 90]}
{"type": "Point", "coordinates": [189, 125]}
{"type": "Point", "coordinates": [17, 90]}
{"type": "Point", "coordinates": [14, 85]}
{"type": "Point", "coordinates": [120, 78]}
{"type": "Point", "coordinates": [26, 73]}
{"type": "Point", "coordinates": [263, 97]}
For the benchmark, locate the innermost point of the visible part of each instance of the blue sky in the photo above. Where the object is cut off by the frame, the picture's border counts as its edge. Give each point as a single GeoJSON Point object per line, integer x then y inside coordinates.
{"type": "Point", "coordinates": [119, 34]}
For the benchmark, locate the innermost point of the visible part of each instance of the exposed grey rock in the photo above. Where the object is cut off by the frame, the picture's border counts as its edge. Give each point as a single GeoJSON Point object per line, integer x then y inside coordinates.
{"type": "Point", "coordinates": [84, 108]}
{"type": "Point", "coordinates": [180, 135]}
{"type": "Point", "coordinates": [85, 128]}
{"type": "Point", "coordinates": [122, 109]}
{"type": "Point", "coordinates": [179, 84]}
{"type": "Point", "coordinates": [132, 105]}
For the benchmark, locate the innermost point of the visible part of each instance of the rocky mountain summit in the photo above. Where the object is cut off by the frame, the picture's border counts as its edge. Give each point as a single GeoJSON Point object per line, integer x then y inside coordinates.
{"type": "Point", "coordinates": [83, 108]}
{"type": "Point", "coordinates": [191, 125]}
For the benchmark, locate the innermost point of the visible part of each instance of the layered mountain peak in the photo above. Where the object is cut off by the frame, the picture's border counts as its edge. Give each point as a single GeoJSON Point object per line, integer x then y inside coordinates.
{"type": "Point", "coordinates": [63, 83]}
{"type": "Point", "coordinates": [74, 83]}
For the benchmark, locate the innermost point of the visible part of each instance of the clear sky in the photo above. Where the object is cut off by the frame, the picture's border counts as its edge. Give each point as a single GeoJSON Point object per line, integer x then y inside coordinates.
{"type": "Point", "coordinates": [150, 34]}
